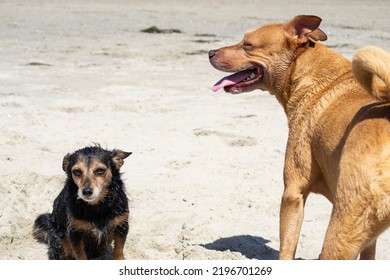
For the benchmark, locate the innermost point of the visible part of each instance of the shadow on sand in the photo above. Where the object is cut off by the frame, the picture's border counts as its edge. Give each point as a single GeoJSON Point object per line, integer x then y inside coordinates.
{"type": "Point", "coordinates": [249, 246]}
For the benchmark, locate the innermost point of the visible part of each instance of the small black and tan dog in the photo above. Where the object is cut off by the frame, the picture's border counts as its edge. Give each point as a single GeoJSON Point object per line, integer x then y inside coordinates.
{"type": "Point", "coordinates": [91, 211]}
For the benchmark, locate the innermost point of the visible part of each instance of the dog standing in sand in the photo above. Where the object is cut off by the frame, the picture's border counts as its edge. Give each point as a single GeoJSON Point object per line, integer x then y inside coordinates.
{"type": "Point", "coordinates": [91, 211]}
{"type": "Point", "coordinates": [339, 134]}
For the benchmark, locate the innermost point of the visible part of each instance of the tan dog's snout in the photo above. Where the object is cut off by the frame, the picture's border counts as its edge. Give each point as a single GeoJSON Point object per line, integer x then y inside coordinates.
{"type": "Point", "coordinates": [247, 75]}
{"type": "Point", "coordinates": [212, 53]}
{"type": "Point", "coordinates": [218, 62]}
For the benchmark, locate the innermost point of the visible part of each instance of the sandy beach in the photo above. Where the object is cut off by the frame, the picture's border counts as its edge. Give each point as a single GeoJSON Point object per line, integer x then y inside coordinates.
{"type": "Point", "coordinates": [206, 175]}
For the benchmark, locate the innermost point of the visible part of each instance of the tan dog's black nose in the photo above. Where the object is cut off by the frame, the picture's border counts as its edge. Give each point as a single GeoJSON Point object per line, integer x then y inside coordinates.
{"type": "Point", "coordinates": [212, 53]}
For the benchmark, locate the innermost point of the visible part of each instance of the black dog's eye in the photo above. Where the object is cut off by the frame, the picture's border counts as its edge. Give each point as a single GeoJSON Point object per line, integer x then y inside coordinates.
{"type": "Point", "coordinates": [77, 173]}
{"type": "Point", "coordinates": [100, 171]}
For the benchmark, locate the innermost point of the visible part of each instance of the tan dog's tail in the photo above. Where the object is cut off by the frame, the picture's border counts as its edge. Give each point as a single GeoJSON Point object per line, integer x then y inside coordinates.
{"type": "Point", "coordinates": [371, 67]}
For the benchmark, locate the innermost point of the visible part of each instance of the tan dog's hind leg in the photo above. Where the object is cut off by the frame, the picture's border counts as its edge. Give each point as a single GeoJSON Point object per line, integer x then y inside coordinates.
{"type": "Point", "coordinates": [368, 253]}
{"type": "Point", "coordinates": [351, 233]}
{"type": "Point", "coordinates": [344, 239]}
{"type": "Point", "coordinates": [361, 210]}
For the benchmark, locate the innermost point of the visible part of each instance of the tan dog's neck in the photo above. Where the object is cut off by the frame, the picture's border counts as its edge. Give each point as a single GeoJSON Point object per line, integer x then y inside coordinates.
{"type": "Point", "coordinates": [304, 82]}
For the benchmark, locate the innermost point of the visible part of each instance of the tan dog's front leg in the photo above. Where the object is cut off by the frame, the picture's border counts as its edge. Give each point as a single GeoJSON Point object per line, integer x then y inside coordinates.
{"type": "Point", "coordinates": [300, 174]}
{"type": "Point", "coordinates": [291, 218]}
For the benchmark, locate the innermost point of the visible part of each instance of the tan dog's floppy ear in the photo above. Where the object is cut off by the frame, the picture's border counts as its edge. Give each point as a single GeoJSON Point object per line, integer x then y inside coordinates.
{"type": "Point", "coordinates": [118, 156]}
{"type": "Point", "coordinates": [65, 162]}
{"type": "Point", "coordinates": [305, 27]}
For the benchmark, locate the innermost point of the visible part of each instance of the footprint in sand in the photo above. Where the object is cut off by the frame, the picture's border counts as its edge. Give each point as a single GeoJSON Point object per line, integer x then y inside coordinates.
{"type": "Point", "coordinates": [230, 138]}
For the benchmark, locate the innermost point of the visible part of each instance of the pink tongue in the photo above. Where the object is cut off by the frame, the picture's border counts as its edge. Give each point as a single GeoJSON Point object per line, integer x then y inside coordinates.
{"type": "Point", "coordinates": [232, 79]}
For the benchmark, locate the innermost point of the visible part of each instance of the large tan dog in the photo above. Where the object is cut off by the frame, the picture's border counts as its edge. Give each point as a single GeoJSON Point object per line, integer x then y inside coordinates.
{"type": "Point", "coordinates": [339, 134]}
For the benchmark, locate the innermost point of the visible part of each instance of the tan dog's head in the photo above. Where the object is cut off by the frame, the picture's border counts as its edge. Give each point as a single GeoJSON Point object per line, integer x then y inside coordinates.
{"type": "Point", "coordinates": [92, 170]}
{"type": "Point", "coordinates": [261, 59]}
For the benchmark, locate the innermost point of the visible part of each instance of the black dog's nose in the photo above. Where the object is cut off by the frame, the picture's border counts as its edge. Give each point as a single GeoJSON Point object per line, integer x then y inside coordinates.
{"type": "Point", "coordinates": [212, 53]}
{"type": "Point", "coordinates": [87, 191]}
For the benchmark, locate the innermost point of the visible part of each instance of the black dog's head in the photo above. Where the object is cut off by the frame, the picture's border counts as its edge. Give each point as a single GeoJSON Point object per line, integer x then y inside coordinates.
{"type": "Point", "coordinates": [92, 169]}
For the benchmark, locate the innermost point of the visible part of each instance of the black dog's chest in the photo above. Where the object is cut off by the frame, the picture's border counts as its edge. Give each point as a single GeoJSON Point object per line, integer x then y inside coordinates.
{"type": "Point", "coordinates": [93, 220]}
{"type": "Point", "coordinates": [99, 234]}
{"type": "Point", "coordinates": [91, 231]}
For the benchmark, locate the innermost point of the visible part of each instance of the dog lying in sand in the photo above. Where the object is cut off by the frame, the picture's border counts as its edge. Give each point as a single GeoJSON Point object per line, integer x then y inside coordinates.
{"type": "Point", "coordinates": [339, 133]}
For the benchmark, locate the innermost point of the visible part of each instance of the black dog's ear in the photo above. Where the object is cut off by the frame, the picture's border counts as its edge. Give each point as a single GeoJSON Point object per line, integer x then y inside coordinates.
{"type": "Point", "coordinates": [65, 162]}
{"type": "Point", "coordinates": [118, 156]}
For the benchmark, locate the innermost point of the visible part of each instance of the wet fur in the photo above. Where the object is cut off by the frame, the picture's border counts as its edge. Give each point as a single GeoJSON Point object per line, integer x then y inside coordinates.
{"type": "Point", "coordinates": [77, 229]}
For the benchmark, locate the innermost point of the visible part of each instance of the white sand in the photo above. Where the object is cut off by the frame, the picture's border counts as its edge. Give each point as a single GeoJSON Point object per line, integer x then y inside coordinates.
{"type": "Point", "coordinates": [205, 177]}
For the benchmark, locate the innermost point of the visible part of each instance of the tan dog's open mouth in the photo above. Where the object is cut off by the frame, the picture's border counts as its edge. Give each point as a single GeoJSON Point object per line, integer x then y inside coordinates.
{"type": "Point", "coordinates": [241, 81]}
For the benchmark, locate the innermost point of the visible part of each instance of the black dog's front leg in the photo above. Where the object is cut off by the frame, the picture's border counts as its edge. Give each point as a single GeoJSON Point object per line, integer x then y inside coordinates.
{"type": "Point", "coordinates": [76, 241]}
{"type": "Point", "coordinates": [56, 251]}
{"type": "Point", "coordinates": [120, 234]}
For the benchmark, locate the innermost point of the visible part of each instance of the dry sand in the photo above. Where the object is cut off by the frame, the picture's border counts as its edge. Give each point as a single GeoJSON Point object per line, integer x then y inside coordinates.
{"type": "Point", "coordinates": [205, 177]}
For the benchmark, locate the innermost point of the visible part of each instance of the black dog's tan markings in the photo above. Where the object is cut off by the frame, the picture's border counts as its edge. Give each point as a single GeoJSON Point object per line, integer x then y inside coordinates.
{"type": "Point", "coordinates": [91, 211]}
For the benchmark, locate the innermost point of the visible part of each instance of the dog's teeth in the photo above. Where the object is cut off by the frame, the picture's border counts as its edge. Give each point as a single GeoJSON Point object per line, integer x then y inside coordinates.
{"type": "Point", "coordinates": [252, 76]}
